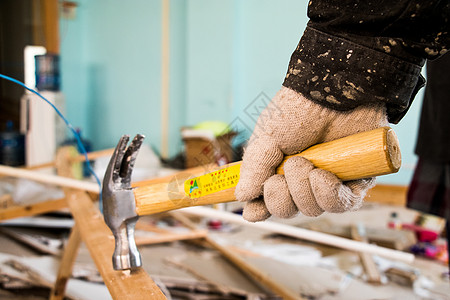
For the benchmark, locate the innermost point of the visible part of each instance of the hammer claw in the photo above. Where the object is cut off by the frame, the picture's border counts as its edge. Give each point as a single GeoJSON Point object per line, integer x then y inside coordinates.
{"type": "Point", "coordinates": [117, 158]}
{"type": "Point", "coordinates": [112, 171]}
{"type": "Point", "coordinates": [118, 202]}
{"type": "Point", "coordinates": [120, 168]}
{"type": "Point", "coordinates": [129, 158]}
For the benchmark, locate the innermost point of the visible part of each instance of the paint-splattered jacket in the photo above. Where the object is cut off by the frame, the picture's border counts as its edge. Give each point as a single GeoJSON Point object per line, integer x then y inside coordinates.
{"type": "Point", "coordinates": [361, 51]}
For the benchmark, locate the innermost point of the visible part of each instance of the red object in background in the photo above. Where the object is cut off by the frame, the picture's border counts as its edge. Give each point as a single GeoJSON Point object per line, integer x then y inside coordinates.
{"type": "Point", "coordinates": [215, 224]}
{"type": "Point", "coordinates": [423, 234]}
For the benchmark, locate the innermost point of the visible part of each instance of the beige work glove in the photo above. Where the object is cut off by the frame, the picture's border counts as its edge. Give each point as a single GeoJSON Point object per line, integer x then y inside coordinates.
{"type": "Point", "coordinates": [288, 125]}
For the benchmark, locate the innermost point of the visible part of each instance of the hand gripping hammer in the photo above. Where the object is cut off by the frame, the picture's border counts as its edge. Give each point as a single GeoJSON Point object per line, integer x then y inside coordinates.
{"type": "Point", "coordinates": [361, 155]}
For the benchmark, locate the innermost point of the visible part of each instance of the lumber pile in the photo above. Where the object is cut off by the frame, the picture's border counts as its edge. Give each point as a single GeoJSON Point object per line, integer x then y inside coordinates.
{"type": "Point", "coordinates": [189, 257]}
{"type": "Point", "coordinates": [60, 248]}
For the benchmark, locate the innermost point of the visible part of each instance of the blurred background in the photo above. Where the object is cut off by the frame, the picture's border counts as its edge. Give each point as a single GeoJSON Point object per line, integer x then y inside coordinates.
{"type": "Point", "coordinates": [127, 67]}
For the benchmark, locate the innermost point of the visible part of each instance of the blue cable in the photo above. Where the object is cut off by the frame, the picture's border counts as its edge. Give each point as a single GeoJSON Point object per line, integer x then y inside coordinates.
{"type": "Point", "coordinates": [74, 132]}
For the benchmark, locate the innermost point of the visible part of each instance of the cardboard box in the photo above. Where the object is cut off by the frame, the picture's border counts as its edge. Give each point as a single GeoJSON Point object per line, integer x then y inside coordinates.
{"type": "Point", "coordinates": [202, 147]}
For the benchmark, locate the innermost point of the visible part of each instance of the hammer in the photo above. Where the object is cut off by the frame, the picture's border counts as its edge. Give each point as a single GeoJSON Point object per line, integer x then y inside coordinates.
{"type": "Point", "coordinates": [357, 156]}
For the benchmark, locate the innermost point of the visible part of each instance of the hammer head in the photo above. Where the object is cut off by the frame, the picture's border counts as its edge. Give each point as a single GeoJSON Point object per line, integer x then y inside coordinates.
{"type": "Point", "coordinates": [119, 207]}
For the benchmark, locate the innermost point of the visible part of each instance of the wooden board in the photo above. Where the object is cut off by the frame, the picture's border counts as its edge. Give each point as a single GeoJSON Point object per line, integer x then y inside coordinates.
{"type": "Point", "coordinates": [169, 237]}
{"type": "Point", "coordinates": [32, 209]}
{"type": "Point", "coordinates": [99, 240]}
{"type": "Point", "coordinates": [165, 76]}
{"type": "Point", "coordinates": [303, 234]}
{"type": "Point", "coordinates": [256, 274]}
{"type": "Point", "coordinates": [66, 265]}
{"type": "Point", "coordinates": [371, 269]}
{"type": "Point", "coordinates": [51, 25]}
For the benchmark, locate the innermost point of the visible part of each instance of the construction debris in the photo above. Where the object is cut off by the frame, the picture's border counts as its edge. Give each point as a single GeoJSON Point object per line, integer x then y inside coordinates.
{"type": "Point", "coordinates": [183, 267]}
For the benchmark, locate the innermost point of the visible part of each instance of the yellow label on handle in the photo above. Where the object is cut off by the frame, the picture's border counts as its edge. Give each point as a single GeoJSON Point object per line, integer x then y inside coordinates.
{"type": "Point", "coordinates": [212, 182]}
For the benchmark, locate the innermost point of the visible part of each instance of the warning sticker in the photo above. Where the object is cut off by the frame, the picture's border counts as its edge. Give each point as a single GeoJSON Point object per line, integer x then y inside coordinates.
{"type": "Point", "coordinates": [212, 182]}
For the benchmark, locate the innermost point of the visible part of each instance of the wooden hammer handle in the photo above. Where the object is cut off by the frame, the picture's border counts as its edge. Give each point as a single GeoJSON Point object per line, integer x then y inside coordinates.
{"type": "Point", "coordinates": [367, 154]}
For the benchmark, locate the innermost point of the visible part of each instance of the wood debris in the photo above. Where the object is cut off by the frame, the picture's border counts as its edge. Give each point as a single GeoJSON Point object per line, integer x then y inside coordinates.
{"type": "Point", "coordinates": [187, 269]}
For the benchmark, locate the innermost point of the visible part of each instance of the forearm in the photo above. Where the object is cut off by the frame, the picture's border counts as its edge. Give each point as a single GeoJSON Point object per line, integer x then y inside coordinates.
{"type": "Point", "coordinates": [354, 52]}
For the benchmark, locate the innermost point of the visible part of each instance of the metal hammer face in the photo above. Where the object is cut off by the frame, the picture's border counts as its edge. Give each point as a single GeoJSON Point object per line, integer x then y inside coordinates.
{"type": "Point", "coordinates": [119, 206]}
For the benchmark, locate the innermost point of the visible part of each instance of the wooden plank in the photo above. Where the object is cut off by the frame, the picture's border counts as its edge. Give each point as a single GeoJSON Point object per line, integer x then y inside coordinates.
{"type": "Point", "coordinates": [165, 77]}
{"type": "Point", "coordinates": [51, 25]}
{"type": "Point", "coordinates": [164, 235]}
{"type": "Point", "coordinates": [66, 266]}
{"type": "Point", "coordinates": [261, 278]}
{"type": "Point", "coordinates": [372, 272]}
{"type": "Point", "coordinates": [49, 179]}
{"type": "Point", "coordinates": [80, 158]}
{"type": "Point", "coordinates": [37, 26]}
{"type": "Point", "coordinates": [93, 155]}
{"type": "Point", "coordinates": [99, 240]}
{"type": "Point", "coordinates": [6, 201]}
{"type": "Point", "coordinates": [129, 284]}
{"type": "Point", "coordinates": [32, 209]}
{"type": "Point", "coordinates": [255, 273]}
{"type": "Point", "coordinates": [169, 237]}
{"type": "Point", "coordinates": [305, 234]}
{"type": "Point", "coordinates": [388, 194]}
{"type": "Point", "coordinates": [149, 227]}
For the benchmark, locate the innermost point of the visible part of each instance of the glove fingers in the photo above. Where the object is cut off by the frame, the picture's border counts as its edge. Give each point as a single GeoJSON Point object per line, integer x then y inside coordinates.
{"type": "Point", "coordinates": [333, 195]}
{"type": "Point", "coordinates": [255, 211]}
{"type": "Point", "coordinates": [296, 171]}
{"type": "Point", "coordinates": [277, 197]}
{"type": "Point", "coordinates": [260, 160]}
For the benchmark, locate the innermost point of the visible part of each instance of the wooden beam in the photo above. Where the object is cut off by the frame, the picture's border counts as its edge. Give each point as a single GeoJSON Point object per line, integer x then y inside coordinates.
{"type": "Point", "coordinates": [49, 179]}
{"type": "Point", "coordinates": [32, 209]}
{"type": "Point", "coordinates": [51, 25]}
{"type": "Point", "coordinates": [261, 278]}
{"type": "Point", "coordinates": [66, 266]}
{"type": "Point", "coordinates": [169, 237]}
{"type": "Point", "coordinates": [370, 268]}
{"type": "Point", "coordinates": [165, 77]}
{"type": "Point", "coordinates": [164, 236]}
{"type": "Point", "coordinates": [37, 23]}
{"type": "Point", "coordinates": [93, 155]}
{"type": "Point", "coordinates": [99, 240]}
{"type": "Point", "coordinates": [304, 234]}
{"type": "Point", "coordinates": [6, 201]}
{"type": "Point", "coordinates": [80, 158]}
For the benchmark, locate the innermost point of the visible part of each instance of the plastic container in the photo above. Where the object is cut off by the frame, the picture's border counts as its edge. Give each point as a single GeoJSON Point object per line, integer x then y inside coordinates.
{"type": "Point", "coordinates": [87, 146]}
{"type": "Point", "coordinates": [12, 146]}
{"type": "Point", "coordinates": [394, 221]}
{"type": "Point", "coordinates": [47, 72]}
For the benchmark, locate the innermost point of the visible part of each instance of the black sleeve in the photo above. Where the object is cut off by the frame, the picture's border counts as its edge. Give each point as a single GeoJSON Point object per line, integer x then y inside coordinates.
{"type": "Point", "coordinates": [433, 140]}
{"type": "Point", "coordinates": [357, 52]}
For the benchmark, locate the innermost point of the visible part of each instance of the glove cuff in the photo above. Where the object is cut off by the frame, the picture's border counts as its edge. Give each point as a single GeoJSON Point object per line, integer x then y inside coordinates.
{"type": "Point", "coordinates": [342, 75]}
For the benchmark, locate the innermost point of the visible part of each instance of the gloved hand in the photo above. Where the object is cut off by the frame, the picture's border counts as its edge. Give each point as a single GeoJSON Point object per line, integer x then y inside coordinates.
{"type": "Point", "coordinates": [288, 125]}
